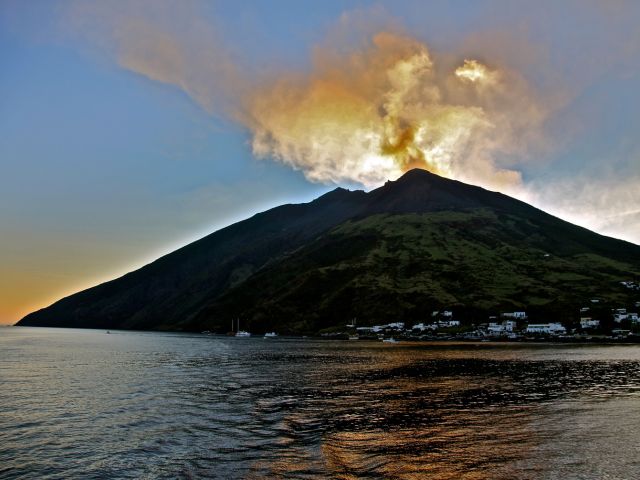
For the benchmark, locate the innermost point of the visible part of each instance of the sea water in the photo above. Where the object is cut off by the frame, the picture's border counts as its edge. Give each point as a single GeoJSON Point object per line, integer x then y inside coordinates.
{"type": "Point", "coordinates": [90, 404]}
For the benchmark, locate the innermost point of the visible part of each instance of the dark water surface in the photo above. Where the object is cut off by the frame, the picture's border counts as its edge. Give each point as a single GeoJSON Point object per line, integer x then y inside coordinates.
{"type": "Point", "coordinates": [84, 404]}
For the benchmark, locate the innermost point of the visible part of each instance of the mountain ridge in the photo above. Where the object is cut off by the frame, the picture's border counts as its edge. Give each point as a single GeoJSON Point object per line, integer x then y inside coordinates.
{"type": "Point", "coordinates": [201, 285]}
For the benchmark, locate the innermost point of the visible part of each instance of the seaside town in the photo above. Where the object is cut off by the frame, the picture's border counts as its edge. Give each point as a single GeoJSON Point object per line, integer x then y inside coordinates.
{"type": "Point", "coordinates": [595, 321]}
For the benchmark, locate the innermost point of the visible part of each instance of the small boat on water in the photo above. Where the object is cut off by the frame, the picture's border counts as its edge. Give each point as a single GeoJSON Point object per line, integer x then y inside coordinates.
{"type": "Point", "coordinates": [352, 325]}
{"type": "Point", "coordinates": [239, 333]}
{"type": "Point", "coordinates": [270, 335]}
{"type": "Point", "coordinates": [389, 340]}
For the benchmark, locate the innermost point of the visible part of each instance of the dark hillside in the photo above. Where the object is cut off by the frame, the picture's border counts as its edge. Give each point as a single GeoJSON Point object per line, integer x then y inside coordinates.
{"type": "Point", "coordinates": [420, 242]}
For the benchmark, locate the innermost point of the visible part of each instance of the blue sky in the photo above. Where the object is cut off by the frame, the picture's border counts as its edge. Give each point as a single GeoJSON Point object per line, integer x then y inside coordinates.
{"type": "Point", "coordinates": [103, 169]}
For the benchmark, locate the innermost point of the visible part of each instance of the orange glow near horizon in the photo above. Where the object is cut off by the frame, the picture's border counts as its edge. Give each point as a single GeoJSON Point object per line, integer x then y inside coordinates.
{"type": "Point", "coordinates": [25, 292]}
{"type": "Point", "coordinates": [55, 270]}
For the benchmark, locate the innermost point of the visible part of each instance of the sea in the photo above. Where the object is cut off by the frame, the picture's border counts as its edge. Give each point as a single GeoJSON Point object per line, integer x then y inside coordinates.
{"type": "Point", "coordinates": [88, 404]}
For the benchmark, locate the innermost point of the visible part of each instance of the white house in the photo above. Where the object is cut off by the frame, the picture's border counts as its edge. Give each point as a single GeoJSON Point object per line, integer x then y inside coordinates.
{"type": "Point", "coordinates": [396, 326]}
{"type": "Point", "coordinates": [506, 326]}
{"type": "Point", "coordinates": [495, 328]}
{"type": "Point", "coordinates": [588, 322]}
{"type": "Point", "coordinates": [422, 327]}
{"type": "Point", "coordinates": [509, 325]}
{"type": "Point", "coordinates": [517, 315]}
{"type": "Point", "coordinates": [450, 323]}
{"type": "Point", "coordinates": [549, 328]}
{"type": "Point", "coordinates": [622, 314]}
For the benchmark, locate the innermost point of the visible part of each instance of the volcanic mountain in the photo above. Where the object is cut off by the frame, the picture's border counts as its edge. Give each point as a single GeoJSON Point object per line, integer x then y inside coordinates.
{"type": "Point", "coordinates": [398, 252]}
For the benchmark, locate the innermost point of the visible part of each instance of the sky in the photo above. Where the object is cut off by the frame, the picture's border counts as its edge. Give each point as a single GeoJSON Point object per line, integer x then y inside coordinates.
{"type": "Point", "coordinates": [128, 129]}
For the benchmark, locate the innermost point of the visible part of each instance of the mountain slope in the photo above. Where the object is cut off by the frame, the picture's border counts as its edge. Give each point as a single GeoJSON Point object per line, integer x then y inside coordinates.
{"type": "Point", "coordinates": [418, 243]}
{"type": "Point", "coordinates": [163, 293]}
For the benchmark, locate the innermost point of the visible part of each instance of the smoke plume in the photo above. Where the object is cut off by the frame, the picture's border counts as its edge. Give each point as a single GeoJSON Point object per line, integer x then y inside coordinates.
{"type": "Point", "coordinates": [371, 114]}
{"type": "Point", "coordinates": [362, 113]}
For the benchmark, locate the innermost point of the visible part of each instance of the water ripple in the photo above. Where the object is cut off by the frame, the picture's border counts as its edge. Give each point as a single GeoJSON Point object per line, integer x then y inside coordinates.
{"type": "Point", "coordinates": [82, 404]}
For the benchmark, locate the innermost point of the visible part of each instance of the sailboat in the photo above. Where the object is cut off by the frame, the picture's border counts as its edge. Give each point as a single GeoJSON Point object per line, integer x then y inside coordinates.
{"type": "Point", "coordinates": [240, 333]}
{"type": "Point", "coordinates": [353, 336]}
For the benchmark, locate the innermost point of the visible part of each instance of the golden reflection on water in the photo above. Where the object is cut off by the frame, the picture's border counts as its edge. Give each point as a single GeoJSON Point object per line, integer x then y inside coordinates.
{"type": "Point", "coordinates": [441, 414]}
{"type": "Point", "coordinates": [476, 448]}
{"type": "Point", "coordinates": [411, 438]}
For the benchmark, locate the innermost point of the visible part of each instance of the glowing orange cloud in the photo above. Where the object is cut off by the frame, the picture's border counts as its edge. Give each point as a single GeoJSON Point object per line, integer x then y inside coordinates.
{"type": "Point", "coordinates": [361, 114]}
{"type": "Point", "coordinates": [369, 115]}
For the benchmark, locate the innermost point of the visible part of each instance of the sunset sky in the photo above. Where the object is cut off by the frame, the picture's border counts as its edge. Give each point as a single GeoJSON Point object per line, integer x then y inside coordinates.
{"type": "Point", "coordinates": [130, 128]}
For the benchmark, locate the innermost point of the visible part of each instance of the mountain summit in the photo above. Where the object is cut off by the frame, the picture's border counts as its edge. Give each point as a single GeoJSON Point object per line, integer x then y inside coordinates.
{"type": "Point", "coordinates": [414, 245]}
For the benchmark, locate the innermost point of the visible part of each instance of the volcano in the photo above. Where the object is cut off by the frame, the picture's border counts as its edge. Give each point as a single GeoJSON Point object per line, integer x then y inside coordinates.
{"type": "Point", "coordinates": [395, 253]}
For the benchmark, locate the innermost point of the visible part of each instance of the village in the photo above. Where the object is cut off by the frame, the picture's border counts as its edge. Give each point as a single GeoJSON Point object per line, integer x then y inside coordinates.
{"type": "Point", "coordinates": [594, 321]}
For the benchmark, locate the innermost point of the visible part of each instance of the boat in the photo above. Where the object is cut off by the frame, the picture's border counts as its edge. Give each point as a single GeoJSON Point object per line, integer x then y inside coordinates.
{"type": "Point", "coordinates": [353, 336]}
{"type": "Point", "coordinates": [389, 340]}
{"type": "Point", "coordinates": [270, 335]}
{"type": "Point", "coordinates": [239, 333]}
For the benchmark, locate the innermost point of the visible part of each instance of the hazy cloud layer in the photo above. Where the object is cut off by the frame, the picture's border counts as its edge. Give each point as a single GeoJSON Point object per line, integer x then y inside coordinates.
{"type": "Point", "coordinates": [167, 41]}
{"type": "Point", "coordinates": [608, 205]}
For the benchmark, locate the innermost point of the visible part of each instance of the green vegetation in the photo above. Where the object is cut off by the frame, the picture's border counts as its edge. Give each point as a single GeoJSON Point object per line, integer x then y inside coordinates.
{"type": "Point", "coordinates": [401, 267]}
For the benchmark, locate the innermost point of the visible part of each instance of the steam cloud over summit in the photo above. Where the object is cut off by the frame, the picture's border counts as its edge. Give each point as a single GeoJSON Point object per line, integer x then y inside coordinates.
{"type": "Point", "coordinates": [370, 114]}
{"type": "Point", "coordinates": [363, 113]}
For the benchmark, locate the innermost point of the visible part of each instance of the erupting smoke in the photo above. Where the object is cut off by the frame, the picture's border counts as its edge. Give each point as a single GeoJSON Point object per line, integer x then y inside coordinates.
{"type": "Point", "coordinates": [372, 114]}
{"type": "Point", "coordinates": [363, 116]}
